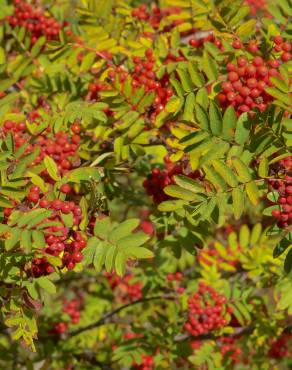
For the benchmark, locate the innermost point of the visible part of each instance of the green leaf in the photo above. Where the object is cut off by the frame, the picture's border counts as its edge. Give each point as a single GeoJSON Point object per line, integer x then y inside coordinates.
{"type": "Point", "coordinates": [37, 180]}
{"type": "Point", "coordinates": [124, 229]}
{"type": "Point", "coordinates": [110, 256]}
{"type": "Point", "coordinates": [225, 172]}
{"type": "Point", "coordinates": [100, 255]}
{"type": "Point", "coordinates": [36, 216]}
{"type": "Point", "coordinates": [247, 29]}
{"type": "Point", "coordinates": [102, 227]}
{"type": "Point", "coordinates": [217, 151]}
{"type": "Point", "coordinates": [178, 88]}
{"type": "Point", "coordinates": [176, 191]}
{"type": "Point", "coordinates": [282, 247]}
{"type": "Point", "coordinates": [173, 105]}
{"type": "Point", "coordinates": [186, 82]}
{"type": "Point", "coordinates": [2, 56]}
{"type": "Point", "coordinates": [279, 95]}
{"type": "Point", "coordinates": [229, 123]}
{"type": "Point", "coordinates": [202, 117]}
{"type": "Point", "coordinates": [242, 170]}
{"type": "Point", "coordinates": [256, 233]}
{"type": "Point", "coordinates": [252, 192]}
{"type": "Point", "coordinates": [263, 170]}
{"type": "Point", "coordinates": [280, 84]}
{"type": "Point", "coordinates": [189, 184]}
{"type": "Point", "coordinates": [216, 180]}
{"type": "Point", "coordinates": [5, 203]}
{"type": "Point", "coordinates": [243, 127]}
{"type": "Point", "coordinates": [240, 14]}
{"type": "Point", "coordinates": [202, 98]}
{"type": "Point", "coordinates": [38, 239]}
{"type": "Point", "coordinates": [118, 143]}
{"type": "Point", "coordinates": [138, 252]}
{"type": "Point", "coordinates": [237, 202]}
{"type": "Point", "coordinates": [194, 137]}
{"type": "Point", "coordinates": [87, 61]}
{"type": "Point", "coordinates": [133, 240]}
{"type": "Point", "coordinates": [13, 239]}
{"type": "Point", "coordinates": [215, 119]}
{"type": "Point", "coordinates": [210, 68]}
{"type": "Point", "coordinates": [189, 108]}
{"type": "Point", "coordinates": [196, 77]}
{"type": "Point", "coordinates": [200, 147]}
{"type": "Point", "coordinates": [51, 168]}
{"type": "Point", "coordinates": [25, 240]}
{"type": "Point", "coordinates": [171, 205]}
{"type": "Point", "coordinates": [46, 284]}
{"type": "Point", "coordinates": [120, 263]}
{"type": "Point", "coordinates": [288, 262]}
{"type": "Point", "coordinates": [37, 46]}
{"type": "Point", "coordinates": [67, 219]}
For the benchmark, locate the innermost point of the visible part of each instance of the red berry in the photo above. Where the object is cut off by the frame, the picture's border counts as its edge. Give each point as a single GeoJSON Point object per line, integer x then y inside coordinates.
{"type": "Point", "coordinates": [65, 188]}
{"type": "Point", "coordinates": [77, 257]}
{"type": "Point", "coordinates": [233, 76]}
{"type": "Point", "coordinates": [237, 44]}
{"type": "Point", "coordinates": [33, 197]}
{"type": "Point", "coordinates": [285, 57]}
{"type": "Point", "coordinates": [278, 40]}
{"type": "Point", "coordinates": [258, 61]}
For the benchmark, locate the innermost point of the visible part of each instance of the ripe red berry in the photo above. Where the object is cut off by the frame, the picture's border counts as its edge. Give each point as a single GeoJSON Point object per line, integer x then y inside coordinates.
{"type": "Point", "coordinates": [65, 188]}
{"type": "Point", "coordinates": [233, 76]}
{"type": "Point", "coordinates": [237, 44]}
{"type": "Point", "coordinates": [252, 47]}
{"type": "Point", "coordinates": [241, 61]}
{"type": "Point", "coordinates": [278, 40]}
{"type": "Point", "coordinates": [258, 61]}
{"type": "Point", "coordinates": [77, 257]}
{"type": "Point", "coordinates": [286, 46]}
{"type": "Point", "coordinates": [285, 57]}
{"type": "Point", "coordinates": [33, 197]}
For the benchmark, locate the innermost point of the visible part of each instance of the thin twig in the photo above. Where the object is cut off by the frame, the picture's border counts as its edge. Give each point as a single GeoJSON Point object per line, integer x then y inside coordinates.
{"type": "Point", "coordinates": [108, 315]}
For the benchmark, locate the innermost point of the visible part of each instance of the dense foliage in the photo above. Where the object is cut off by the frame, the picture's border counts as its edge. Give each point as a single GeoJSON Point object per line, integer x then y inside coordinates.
{"type": "Point", "coordinates": [146, 184]}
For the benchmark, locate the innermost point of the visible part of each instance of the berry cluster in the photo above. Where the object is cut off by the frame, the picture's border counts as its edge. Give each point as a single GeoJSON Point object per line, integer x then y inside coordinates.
{"type": "Point", "coordinates": [176, 279]}
{"type": "Point", "coordinates": [58, 237]}
{"type": "Point", "coordinates": [246, 83]}
{"type": "Point", "coordinates": [95, 87]}
{"type": "Point", "coordinates": [178, 276]}
{"type": "Point", "coordinates": [35, 21]}
{"type": "Point", "coordinates": [126, 289]}
{"type": "Point", "coordinates": [282, 47]}
{"type": "Point", "coordinates": [207, 311]}
{"type": "Point", "coordinates": [159, 179]}
{"type": "Point", "coordinates": [147, 363]}
{"type": "Point", "coordinates": [198, 42]}
{"type": "Point", "coordinates": [61, 147]}
{"type": "Point", "coordinates": [279, 348]}
{"type": "Point", "coordinates": [230, 349]}
{"type": "Point", "coordinates": [144, 76]}
{"type": "Point", "coordinates": [283, 186]}
{"type": "Point", "coordinates": [72, 309]}
{"type": "Point", "coordinates": [155, 16]}
{"type": "Point", "coordinates": [41, 267]}
{"type": "Point", "coordinates": [257, 6]}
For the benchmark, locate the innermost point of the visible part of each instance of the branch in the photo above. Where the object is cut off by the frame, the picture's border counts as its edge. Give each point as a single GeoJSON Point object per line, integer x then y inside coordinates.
{"type": "Point", "coordinates": [244, 331]}
{"type": "Point", "coordinates": [108, 315]}
{"type": "Point", "coordinates": [183, 337]}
